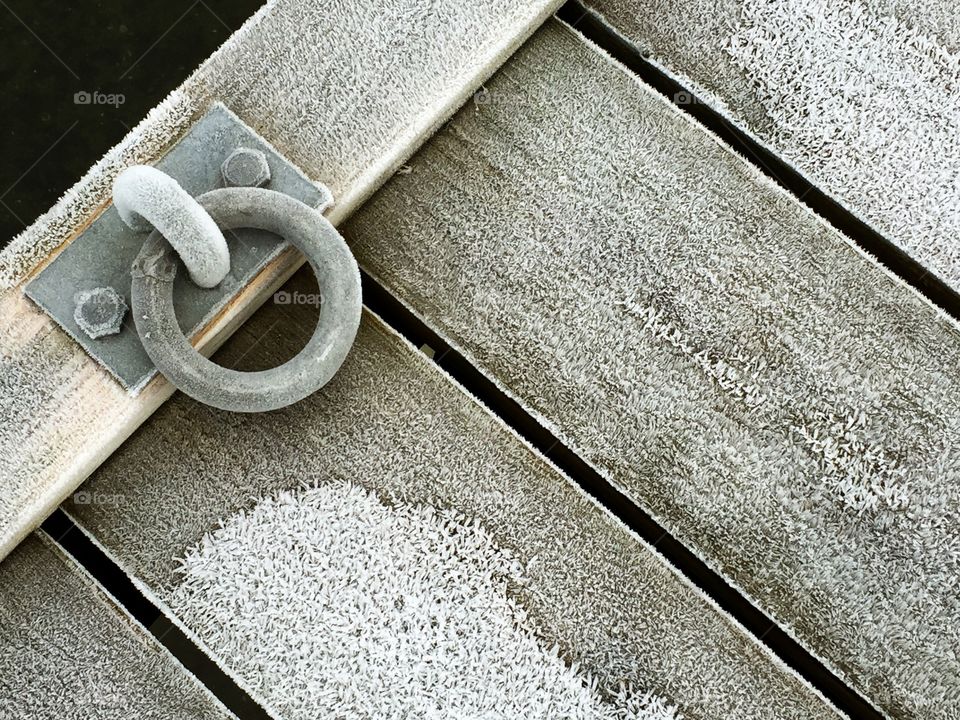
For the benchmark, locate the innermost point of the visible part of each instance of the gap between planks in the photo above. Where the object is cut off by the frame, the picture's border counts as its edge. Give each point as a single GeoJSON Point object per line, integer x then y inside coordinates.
{"type": "Point", "coordinates": [72, 540]}
{"type": "Point", "coordinates": [591, 26]}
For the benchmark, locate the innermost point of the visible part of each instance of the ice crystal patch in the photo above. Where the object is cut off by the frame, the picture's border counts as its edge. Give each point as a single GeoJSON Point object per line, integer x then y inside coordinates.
{"type": "Point", "coordinates": [870, 108]}
{"type": "Point", "coordinates": [740, 384]}
{"type": "Point", "coordinates": [329, 602]}
{"type": "Point", "coordinates": [856, 470]}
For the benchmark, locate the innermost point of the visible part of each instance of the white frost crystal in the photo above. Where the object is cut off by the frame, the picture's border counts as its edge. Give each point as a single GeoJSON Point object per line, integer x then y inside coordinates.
{"type": "Point", "coordinates": [868, 107]}
{"type": "Point", "coordinates": [333, 604]}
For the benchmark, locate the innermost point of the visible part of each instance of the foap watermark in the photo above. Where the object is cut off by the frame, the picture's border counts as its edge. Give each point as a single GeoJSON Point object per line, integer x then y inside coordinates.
{"type": "Point", "coordinates": [98, 98]}
{"type": "Point", "coordinates": [296, 298]}
{"type": "Point", "coordinates": [683, 97]}
{"type": "Point", "coordinates": [496, 98]}
{"type": "Point", "coordinates": [92, 497]}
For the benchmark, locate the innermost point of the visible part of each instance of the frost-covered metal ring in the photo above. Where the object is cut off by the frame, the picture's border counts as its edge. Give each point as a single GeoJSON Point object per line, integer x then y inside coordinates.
{"type": "Point", "coordinates": [338, 278]}
{"type": "Point", "coordinates": [147, 198]}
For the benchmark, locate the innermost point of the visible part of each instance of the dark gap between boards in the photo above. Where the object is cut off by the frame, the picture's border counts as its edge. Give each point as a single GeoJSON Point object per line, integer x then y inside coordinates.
{"type": "Point", "coordinates": [586, 22]}
{"type": "Point", "coordinates": [378, 299]}
{"type": "Point", "coordinates": [118, 585]}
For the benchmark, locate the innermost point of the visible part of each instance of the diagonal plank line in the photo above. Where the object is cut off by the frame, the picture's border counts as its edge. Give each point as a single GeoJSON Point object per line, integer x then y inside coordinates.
{"type": "Point", "coordinates": [896, 260]}
{"type": "Point", "coordinates": [215, 16]}
{"type": "Point", "coordinates": [42, 156]}
{"type": "Point", "coordinates": [11, 211]}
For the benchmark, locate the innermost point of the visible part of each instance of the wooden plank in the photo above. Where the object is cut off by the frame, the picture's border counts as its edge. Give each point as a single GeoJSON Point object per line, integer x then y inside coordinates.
{"type": "Point", "coordinates": [67, 651]}
{"type": "Point", "coordinates": [779, 402]}
{"type": "Point", "coordinates": [346, 92]}
{"type": "Point", "coordinates": [260, 581]}
{"type": "Point", "coordinates": [862, 98]}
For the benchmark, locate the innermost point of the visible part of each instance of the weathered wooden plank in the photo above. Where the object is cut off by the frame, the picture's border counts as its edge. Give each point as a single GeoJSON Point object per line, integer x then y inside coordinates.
{"type": "Point", "coordinates": [296, 594]}
{"type": "Point", "coordinates": [66, 651]}
{"type": "Point", "coordinates": [345, 90]}
{"type": "Point", "coordinates": [862, 98]}
{"type": "Point", "coordinates": [779, 402]}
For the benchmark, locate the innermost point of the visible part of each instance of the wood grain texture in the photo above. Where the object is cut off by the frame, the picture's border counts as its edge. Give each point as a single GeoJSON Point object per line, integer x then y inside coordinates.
{"type": "Point", "coordinates": [346, 91]}
{"type": "Point", "coordinates": [861, 97]}
{"type": "Point", "coordinates": [392, 423]}
{"type": "Point", "coordinates": [67, 652]}
{"type": "Point", "coordinates": [780, 403]}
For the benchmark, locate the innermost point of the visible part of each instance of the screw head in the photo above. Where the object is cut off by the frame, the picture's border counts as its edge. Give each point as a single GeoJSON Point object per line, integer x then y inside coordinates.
{"type": "Point", "coordinates": [245, 167]}
{"type": "Point", "coordinates": [99, 312]}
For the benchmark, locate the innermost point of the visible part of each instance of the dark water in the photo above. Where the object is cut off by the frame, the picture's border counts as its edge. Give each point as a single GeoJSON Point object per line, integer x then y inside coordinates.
{"type": "Point", "coordinates": [55, 55]}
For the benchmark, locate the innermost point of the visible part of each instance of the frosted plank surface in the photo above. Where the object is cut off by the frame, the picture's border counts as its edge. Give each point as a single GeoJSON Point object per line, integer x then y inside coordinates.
{"type": "Point", "coordinates": [733, 364]}
{"type": "Point", "coordinates": [67, 652]}
{"type": "Point", "coordinates": [863, 98]}
{"type": "Point", "coordinates": [345, 90]}
{"type": "Point", "coordinates": [234, 507]}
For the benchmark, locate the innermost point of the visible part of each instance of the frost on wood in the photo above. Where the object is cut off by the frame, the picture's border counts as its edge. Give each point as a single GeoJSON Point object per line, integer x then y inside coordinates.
{"type": "Point", "coordinates": [345, 91]}
{"type": "Point", "coordinates": [862, 98]}
{"type": "Point", "coordinates": [67, 652]}
{"type": "Point", "coordinates": [590, 586]}
{"type": "Point", "coordinates": [329, 602]}
{"type": "Point", "coordinates": [772, 396]}
{"type": "Point", "coordinates": [870, 108]}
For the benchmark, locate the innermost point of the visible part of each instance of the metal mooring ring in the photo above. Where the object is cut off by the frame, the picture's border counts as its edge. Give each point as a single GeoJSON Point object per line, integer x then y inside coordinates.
{"type": "Point", "coordinates": [337, 275]}
{"type": "Point", "coordinates": [148, 199]}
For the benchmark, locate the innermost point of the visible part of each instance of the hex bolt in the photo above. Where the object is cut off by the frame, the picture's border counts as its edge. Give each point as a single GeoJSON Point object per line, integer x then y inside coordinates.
{"type": "Point", "coordinates": [245, 167]}
{"type": "Point", "coordinates": [99, 312]}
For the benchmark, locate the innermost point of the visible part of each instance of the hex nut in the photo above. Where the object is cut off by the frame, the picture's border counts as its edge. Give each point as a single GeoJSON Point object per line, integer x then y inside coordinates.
{"type": "Point", "coordinates": [99, 312]}
{"type": "Point", "coordinates": [245, 167]}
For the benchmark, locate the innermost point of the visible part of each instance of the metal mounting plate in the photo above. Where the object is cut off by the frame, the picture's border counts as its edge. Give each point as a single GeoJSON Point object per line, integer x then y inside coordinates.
{"type": "Point", "coordinates": [102, 254]}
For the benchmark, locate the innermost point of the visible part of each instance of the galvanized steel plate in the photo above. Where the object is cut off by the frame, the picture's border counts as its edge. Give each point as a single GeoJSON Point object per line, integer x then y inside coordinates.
{"type": "Point", "coordinates": [102, 254]}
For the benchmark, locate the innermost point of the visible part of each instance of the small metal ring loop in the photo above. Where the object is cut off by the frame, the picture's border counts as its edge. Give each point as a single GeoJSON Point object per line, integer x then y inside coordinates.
{"type": "Point", "coordinates": [147, 198]}
{"type": "Point", "coordinates": [337, 275]}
